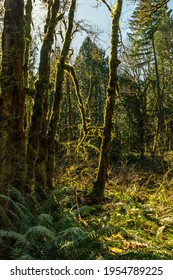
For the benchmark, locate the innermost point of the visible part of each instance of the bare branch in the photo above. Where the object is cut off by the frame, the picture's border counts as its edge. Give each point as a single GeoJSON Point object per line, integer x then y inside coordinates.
{"type": "Point", "coordinates": [109, 8]}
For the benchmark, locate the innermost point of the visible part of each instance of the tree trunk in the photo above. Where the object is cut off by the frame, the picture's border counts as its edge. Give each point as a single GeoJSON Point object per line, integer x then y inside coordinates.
{"type": "Point", "coordinates": [12, 102]}
{"type": "Point", "coordinates": [41, 85]}
{"type": "Point", "coordinates": [84, 130]}
{"type": "Point", "coordinates": [28, 21]}
{"type": "Point", "coordinates": [70, 124]}
{"type": "Point", "coordinates": [58, 96]}
{"type": "Point", "coordinates": [97, 193]}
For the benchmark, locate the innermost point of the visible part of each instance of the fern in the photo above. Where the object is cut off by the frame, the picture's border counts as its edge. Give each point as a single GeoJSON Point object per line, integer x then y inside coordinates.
{"type": "Point", "coordinates": [45, 219]}
{"type": "Point", "coordinates": [12, 234]}
{"type": "Point", "coordinates": [17, 195]}
{"type": "Point", "coordinates": [26, 256]}
{"type": "Point", "coordinates": [37, 231]}
{"type": "Point", "coordinates": [5, 221]}
{"type": "Point", "coordinates": [35, 234]}
{"type": "Point", "coordinates": [74, 232]}
{"type": "Point", "coordinates": [3, 248]}
{"type": "Point", "coordinates": [15, 205]}
{"type": "Point", "coordinates": [85, 210]}
{"type": "Point", "coordinates": [15, 219]}
{"type": "Point", "coordinates": [71, 243]}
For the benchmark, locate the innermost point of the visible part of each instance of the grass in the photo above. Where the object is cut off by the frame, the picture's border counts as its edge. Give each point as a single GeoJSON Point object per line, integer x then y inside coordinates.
{"type": "Point", "coordinates": [136, 219]}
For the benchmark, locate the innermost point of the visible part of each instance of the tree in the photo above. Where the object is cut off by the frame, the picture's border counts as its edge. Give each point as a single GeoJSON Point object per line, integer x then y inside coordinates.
{"type": "Point", "coordinates": [58, 95]}
{"type": "Point", "coordinates": [12, 100]}
{"type": "Point", "coordinates": [92, 62]}
{"type": "Point", "coordinates": [35, 142]}
{"type": "Point", "coordinates": [27, 30]}
{"type": "Point", "coordinates": [87, 97]}
{"type": "Point", "coordinates": [144, 31]}
{"type": "Point", "coordinates": [111, 93]}
{"type": "Point", "coordinates": [164, 47]}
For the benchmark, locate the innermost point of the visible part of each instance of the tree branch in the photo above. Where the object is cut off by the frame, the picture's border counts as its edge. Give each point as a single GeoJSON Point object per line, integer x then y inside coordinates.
{"type": "Point", "coordinates": [107, 5]}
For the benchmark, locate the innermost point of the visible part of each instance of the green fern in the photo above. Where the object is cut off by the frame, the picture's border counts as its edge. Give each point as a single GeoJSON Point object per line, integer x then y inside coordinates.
{"type": "Point", "coordinates": [72, 243]}
{"type": "Point", "coordinates": [35, 234]}
{"type": "Point", "coordinates": [26, 257]}
{"type": "Point", "coordinates": [5, 220]}
{"type": "Point", "coordinates": [45, 219]}
{"type": "Point", "coordinates": [85, 210]}
{"type": "Point", "coordinates": [15, 193]}
{"type": "Point", "coordinates": [74, 232]}
{"type": "Point", "coordinates": [16, 206]}
{"type": "Point", "coordinates": [12, 234]}
{"type": "Point", "coordinates": [37, 231]}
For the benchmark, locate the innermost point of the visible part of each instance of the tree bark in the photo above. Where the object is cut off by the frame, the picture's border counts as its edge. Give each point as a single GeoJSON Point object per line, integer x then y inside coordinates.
{"type": "Point", "coordinates": [12, 100]}
{"type": "Point", "coordinates": [84, 130]}
{"type": "Point", "coordinates": [58, 96]}
{"type": "Point", "coordinates": [97, 193]}
{"type": "Point", "coordinates": [28, 21]}
{"type": "Point", "coordinates": [69, 117]}
{"type": "Point", "coordinates": [35, 146]}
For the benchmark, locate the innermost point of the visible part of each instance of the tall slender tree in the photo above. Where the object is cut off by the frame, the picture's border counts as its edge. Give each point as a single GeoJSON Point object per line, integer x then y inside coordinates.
{"type": "Point", "coordinates": [42, 86]}
{"type": "Point", "coordinates": [12, 100]}
{"type": "Point", "coordinates": [144, 29]}
{"type": "Point", "coordinates": [93, 63]}
{"type": "Point", "coordinates": [111, 94]}
{"type": "Point", "coordinates": [58, 94]}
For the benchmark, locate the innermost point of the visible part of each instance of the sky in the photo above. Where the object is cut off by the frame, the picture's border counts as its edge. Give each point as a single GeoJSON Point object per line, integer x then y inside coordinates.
{"type": "Point", "coordinates": [101, 18]}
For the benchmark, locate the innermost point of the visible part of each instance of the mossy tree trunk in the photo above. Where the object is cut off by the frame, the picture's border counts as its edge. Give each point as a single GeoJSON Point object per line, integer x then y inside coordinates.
{"type": "Point", "coordinates": [69, 104]}
{"type": "Point", "coordinates": [84, 130]}
{"type": "Point", "coordinates": [28, 21]}
{"type": "Point", "coordinates": [42, 86]}
{"type": "Point", "coordinates": [12, 100]}
{"type": "Point", "coordinates": [97, 193]}
{"type": "Point", "coordinates": [58, 95]}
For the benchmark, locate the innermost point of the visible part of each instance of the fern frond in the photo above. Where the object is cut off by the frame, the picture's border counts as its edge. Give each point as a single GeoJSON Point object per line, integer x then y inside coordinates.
{"type": "Point", "coordinates": [17, 194]}
{"type": "Point", "coordinates": [3, 249]}
{"type": "Point", "coordinates": [67, 245]}
{"type": "Point", "coordinates": [85, 210]}
{"type": "Point", "coordinates": [37, 231]}
{"type": "Point", "coordinates": [28, 218]}
{"type": "Point", "coordinates": [13, 217]}
{"type": "Point", "coordinates": [12, 234]}
{"type": "Point", "coordinates": [5, 221]}
{"type": "Point", "coordinates": [27, 257]}
{"type": "Point", "coordinates": [44, 219]}
{"type": "Point", "coordinates": [6, 198]}
{"type": "Point", "coordinates": [14, 204]}
{"type": "Point", "coordinates": [74, 233]}
{"type": "Point", "coordinates": [21, 252]}
{"type": "Point", "coordinates": [20, 210]}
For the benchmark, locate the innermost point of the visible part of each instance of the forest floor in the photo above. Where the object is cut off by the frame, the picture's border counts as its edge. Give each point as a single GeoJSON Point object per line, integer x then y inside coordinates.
{"type": "Point", "coordinates": [135, 221]}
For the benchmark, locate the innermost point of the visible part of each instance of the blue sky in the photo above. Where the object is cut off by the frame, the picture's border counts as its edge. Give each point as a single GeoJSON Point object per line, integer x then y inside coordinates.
{"type": "Point", "coordinates": [100, 17]}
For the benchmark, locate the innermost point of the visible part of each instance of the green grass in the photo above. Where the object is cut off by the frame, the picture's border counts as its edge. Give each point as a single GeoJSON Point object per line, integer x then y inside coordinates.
{"type": "Point", "coordinates": [136, 219]}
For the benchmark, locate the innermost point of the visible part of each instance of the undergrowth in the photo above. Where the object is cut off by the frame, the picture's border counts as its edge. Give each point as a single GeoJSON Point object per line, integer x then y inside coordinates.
{"type": "Point", "coordinates": [29, 232]}
{"type": "Point", "coordinates": [135, 221]}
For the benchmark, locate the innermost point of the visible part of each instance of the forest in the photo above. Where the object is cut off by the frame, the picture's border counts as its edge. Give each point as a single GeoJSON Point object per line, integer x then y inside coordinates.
{"type": "Point", "coordinates": [86, 139]}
